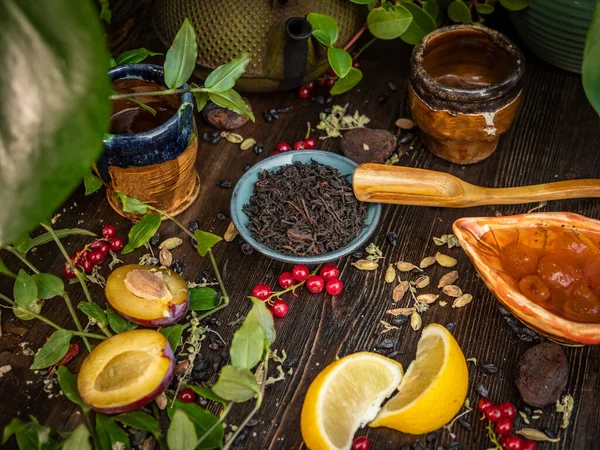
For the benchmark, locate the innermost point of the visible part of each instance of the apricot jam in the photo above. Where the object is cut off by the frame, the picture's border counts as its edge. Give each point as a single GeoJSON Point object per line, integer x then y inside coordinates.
{"type": "Point", "coordinates": [559, 270]}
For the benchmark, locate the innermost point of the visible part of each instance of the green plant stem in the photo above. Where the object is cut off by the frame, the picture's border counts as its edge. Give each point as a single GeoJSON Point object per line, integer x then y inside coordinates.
{"type": "Point", "coordinates": [23, 259]}
{"type": "Point", "coordinates": [92, 430]}
{"type": "Point", "coordinates": [65, 296]}
{"type": "Point", "coordinates": [221, 419]}
{"type": "Point", "coordinates": [257, 405]}
{"type": "Point", "coordinates": [49, 322]}
{"type": "Point", "coordinates": [156, 93]}
{"type": "Point", "coordinates": [355, 38]}
{"type": "Point", "coordinates": [364, 47]}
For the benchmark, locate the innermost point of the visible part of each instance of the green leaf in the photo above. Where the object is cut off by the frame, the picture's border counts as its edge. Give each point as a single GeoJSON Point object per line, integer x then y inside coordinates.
{"type": "Point", "coordinates": [48, 285]}
{"type": "Point", "coordinates": [422, 24]}
{"type": "Point", "coordinates": [143, 105]}
{"type": "Point", "coordinates": [201, 97]}
{"type": "Point", "coordinates": [264, 318]}
{"type": "Point", "coordinates": [140, 420]}
{"type": "Point", "coordinates": [207, 393]}
{"type": "Point", "coordinates": [348, 82]}
{"type": "Point", "coordinates": [362, 2]}
{"type": "Point", "coordinates": [232, 100]}
{"type": "Point", "coordinates": [340, 60]}
{"type": "Point", "coordinates": [134, 56]}
{"type": "Point", "coordinates": [68, 384]}
{"type": "Point", "coordinates": [459, 12]}
{"type": "Point", "coordinates": [22, 242]}
{"type": "Point", "coordinates": [180, 60]}
{"type": "Point", "coordinates": [236, 384]}
{"type": "Point", "coordinates": [224, 77]}
{"type": "Point", "coordinates": [248, 344]}
{"type": "Point", "coordinates": [117, 323]}
{"type": "Point", "coordinates": [27, 437]}
{"type": "Point", "coordinates": [203, 420]}
{"type": "Point", "coordinates": [142, 232]}
{"type": "Point", "coordinates": [132, 204]}
{"type": "Point", "coordinates": [483, 8]}
{"type": "Point", "coordinates": [105, 13]}
{"type": "Point", "coordinates": [5, 270]}
{"type": "Point", "coordinates": [181, 434]}
{"type": "Point", "coordinates": [109, 433]}
{"type": "Point", "coordinates": [79, 439]}
{"type": "Point", "coordinates": [202, 298]}
{"type": "Point", "coordinates": [53, 350]}
{"type": "Point", "coordinates": [514, 5]}
{"type": "Point", "coordinates": [325, 29]}
{"type": "Point", "coordinates": [91, 183]}
{"type": "Point", "coordinates": [173, 335]}
{"type": "Point", "coordinates": [389, 24]}
{"type": "Point", "coordinates": [56, 52]}
{"type": "Point", "coordinates": [94, 311]}
{"type": "Point", "coordinates": [45, 238]}
{"type": "Point", "coordinates": [206, 241]}
{"type": "Point", "coordinates": [12, 428]}
{"type": "Point", "coordinates": [431, 7]}
{"type": "Point", "coordinates": [590, 68]}
{"type": "Point", "coordinates": [25, 290]}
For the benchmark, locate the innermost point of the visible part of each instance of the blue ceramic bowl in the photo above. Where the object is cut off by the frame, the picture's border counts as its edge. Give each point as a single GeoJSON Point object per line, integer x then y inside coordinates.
{"type": "Point", "coordinates": [244, 189]}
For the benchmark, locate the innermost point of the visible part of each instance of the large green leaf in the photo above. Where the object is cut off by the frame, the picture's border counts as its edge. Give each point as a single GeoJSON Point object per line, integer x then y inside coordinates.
{"type": "Point", "coordinates": [348, 82]}
{"type": "Point", "coordinates": [203, 420]}
{"type": "Point", "coordinates": [111, 435]}
{"type": "Point", "coordinates": [339, 60]}
{"type": "Point", "coordinates": [53, 350]}
{"type": "Point", "coordinates": [514, 5]}
{"type": "Point", "coordinates": [142, 231]}
{"type": "Point", "coordinates": [180, 60]}
{"type": "Point", "coordinates": [325, 29]}
{"type": "Point", "coordinates": [422, 24]}
{"type": "Point", "coordinates": [224, 77]}
{"type": "Point", "coordinates": [54, 108]}
{"type": "Point", "coordinates": [79, 439]}
{"type": "Point", "coordinates": [591, 62]}
{"type": "Point", "coordinates": [230, 99]}
{"type": "Point", "coordinates": [236, 384]}
{"type": "Point", "coordinates": [248, 344]}
{"type": "Point", "coordinates": [388, 23]}
{"type": "Point", "coordinates": [181, 434]}
{"type": "Point", "coordinates": [458, 11]}
{"type": "Point", "coordinates": [68, 383]}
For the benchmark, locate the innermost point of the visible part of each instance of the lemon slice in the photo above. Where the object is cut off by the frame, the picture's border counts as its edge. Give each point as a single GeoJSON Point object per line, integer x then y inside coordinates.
{"type": "Point", "coordinates": [345, 395]}
{"type": "Point", "coordinates": [433, 389]}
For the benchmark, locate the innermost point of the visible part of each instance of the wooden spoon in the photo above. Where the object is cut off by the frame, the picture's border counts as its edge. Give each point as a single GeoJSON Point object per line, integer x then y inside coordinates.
{"type": "Point", "coordinates": [408, 186]}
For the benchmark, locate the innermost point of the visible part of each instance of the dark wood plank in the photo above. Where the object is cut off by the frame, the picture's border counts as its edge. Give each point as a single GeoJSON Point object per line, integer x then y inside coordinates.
{"type": "Point", "coordinates": [556, 136]}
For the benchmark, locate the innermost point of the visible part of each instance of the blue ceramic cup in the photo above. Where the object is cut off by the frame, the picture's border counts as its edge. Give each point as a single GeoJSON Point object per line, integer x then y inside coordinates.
{"type": "Point", "coordinates": [155, 166]}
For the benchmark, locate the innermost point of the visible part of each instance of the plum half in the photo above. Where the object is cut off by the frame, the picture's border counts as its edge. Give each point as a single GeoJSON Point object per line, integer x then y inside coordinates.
{"type": "Point", "coordinates": [147, 295]}
{"type": "Point", "coordinates": [126, 371]}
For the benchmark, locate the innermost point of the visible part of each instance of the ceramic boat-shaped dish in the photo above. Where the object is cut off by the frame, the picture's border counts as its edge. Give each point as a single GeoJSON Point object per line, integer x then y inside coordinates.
{"type": "Point", "coordinates": [529, 229]}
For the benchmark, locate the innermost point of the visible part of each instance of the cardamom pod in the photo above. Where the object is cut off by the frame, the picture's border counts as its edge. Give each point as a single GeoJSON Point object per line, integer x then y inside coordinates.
{"type": "Point", "coordinates": [427, 298]}
{"type": "Point", "coordinates": [234, 138]}
{"type": "Point", "coordinates": [426, 262]}
{"type": "Point", "coordinates": [390, 274]}
{"type": "Point", "coordinates": [247, 144]}
{"type": "Point", "coordinates": [230, 233]}
{"type": "Point", "coordinates": [415, 321]}
{"type": "Point", "coordinates": [364, 264]}
{"type": "Point", "coordinates": [170, 243]}
{"type": "Point", "coordinates": [404, 266]}
{"type": "Point", "coordinates": [445, 260]}
{"type": "Point", "coordinates": [401, 311]}
{"type": "Point", "coordinates": [447, 279]}
{"type": "Point", "coordinates": [400, 291]}
{"type": "Point", "coordinates": [422, 282]}
{"type": "Point", "coordinates": [463, 300]}
{"type": "Point", "coordinates": [452, 291]}
{"type": "Point", "coordinates": [165, 257]}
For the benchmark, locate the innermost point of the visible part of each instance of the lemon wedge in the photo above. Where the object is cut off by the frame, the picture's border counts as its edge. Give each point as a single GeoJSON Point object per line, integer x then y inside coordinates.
{"type": "Point", "coordinates": [345, 395]}
{"type": "Point", "coordinates": [433, 389]}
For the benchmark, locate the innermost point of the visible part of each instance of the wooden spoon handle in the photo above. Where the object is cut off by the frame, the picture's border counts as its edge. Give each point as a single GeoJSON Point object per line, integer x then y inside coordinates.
{"type": "Point", "coordinates": [408, 186]}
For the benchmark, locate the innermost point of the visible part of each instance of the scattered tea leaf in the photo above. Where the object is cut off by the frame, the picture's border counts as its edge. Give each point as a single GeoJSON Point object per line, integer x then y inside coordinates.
{"type": "Point", "coordinates": [231, 232]}
{"type": "Point", "coordinates": [387, 327]}
{"type": "Point", "coordinates": [448, 279]}
{"type": "Point", "coordinates": [416, 321]}
{"type": "Point", "coordinates": [427, 298]}
{"type": "Point", "coordinates": [422, 282]}
{"type": "Point", "coordinates": [565, 406]}
{"type": "Point", "coordinates": [390, 274]}
{"type": "Point", "coordinates": [445, 260]}
{"type": "Point", "coordinates": [426, 262]}
{"type": "Point", "coordinates": [463, 300]}
{"type": "Point", "coordinates": [452, 291]}
{"type": "Point", "coordinates": [442, 303]}
{"type": "Point", "coordinates": [403, 266]}
{"type": "Point", "coordinates": [400, 291]}
{"type": "Point", "coordinates": [536, 435]}
{"type": "Point", "coordinates": [405, 124]}
{"type": "Point", "coordinates": [365, 264]}
{"type": "Point", "coordinates": [401, 311]}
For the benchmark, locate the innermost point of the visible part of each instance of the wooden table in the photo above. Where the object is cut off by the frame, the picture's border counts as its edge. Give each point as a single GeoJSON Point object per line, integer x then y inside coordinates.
{"type": "Point", "coordinates": [555, 136]}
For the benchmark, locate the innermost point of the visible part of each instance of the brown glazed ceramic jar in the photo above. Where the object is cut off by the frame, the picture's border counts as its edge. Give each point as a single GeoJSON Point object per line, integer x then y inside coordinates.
{"type": "Point", "coordinates": [465, 89]}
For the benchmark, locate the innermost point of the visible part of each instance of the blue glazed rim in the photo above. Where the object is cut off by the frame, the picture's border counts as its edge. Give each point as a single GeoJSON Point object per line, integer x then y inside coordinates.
{"type": "Point", "coordinates": [240, 219]}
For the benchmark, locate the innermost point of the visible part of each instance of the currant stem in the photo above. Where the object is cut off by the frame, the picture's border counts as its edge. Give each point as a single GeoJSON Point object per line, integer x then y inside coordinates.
{"type": "Point", "coordinates": [23, 259]}
{"type": "Point", "coordinates": [48, 321]}
{"type": "Point", "coordinates": [291, 288]}
{"type": "Point", "coordinates": [221, 419]}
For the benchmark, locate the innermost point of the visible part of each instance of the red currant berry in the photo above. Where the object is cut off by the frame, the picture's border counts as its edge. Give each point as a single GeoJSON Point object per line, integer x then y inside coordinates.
{"type": "Point", "coordinates": [512, 443]}
{"type": "Point", "coordinates": [330, 82]}
{"type": "Point", "coordinates": [361, 443]}
{"type": "Point", "coordinates": [329, 271]}
{"type": "Point", "coordinates": [303, 92]}
{"type": "Point", "coordinates": [86, 265]}
{"type": "Point", "coordinates": [310, 143]}
{"type": "Point", "coordinates": [102, 246]}
{"type": "Point", "coordinates": [116, 244]}
{"type": "Point", "coordinates": [493, 413]}
{"type": "Point", "coordinates": [528, 445]}
{"type": "Point", "coordinates": [68, 271]}
{"type": "Point", "coordinates": [187, 395]}
{"type": "Point", "coordinates": [509, 411]}
{"type": "Point", "coordinates": [280, 308]}
{"type": "Point", "coordinates": [262, 291]}
{"type": "Point", "coordinates": [315, 284]}
{"type": "Point", "coordinates": [504, 427]}
{"type": "Point", "coordinates": [108, 231]}
{"type": "Point", "coordinates": [300, 272]}
{"type": "Point", "coordinates": [286, 280]}
{"type": "Point", "coordinates": [283, 147]}
{"type": "Point", "coordinates": [484, 404]}
{"type": "Point", "coordinates": [95, 257]}
{"type": "Point", "coordinates": [299, 145]}
{"type": "Point", "coordinates": [356, 65]}
{"type": "Point", "coordinates": [321, 82]}
{"type": "Point", "coordinates": [334, 286]}
{"type": "Point", "coordinates": [332, 73]}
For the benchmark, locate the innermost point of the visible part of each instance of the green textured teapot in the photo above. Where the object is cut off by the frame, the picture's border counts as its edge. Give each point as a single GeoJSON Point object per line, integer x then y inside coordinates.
{"type": "Point", "coordinates": [276, 32]}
